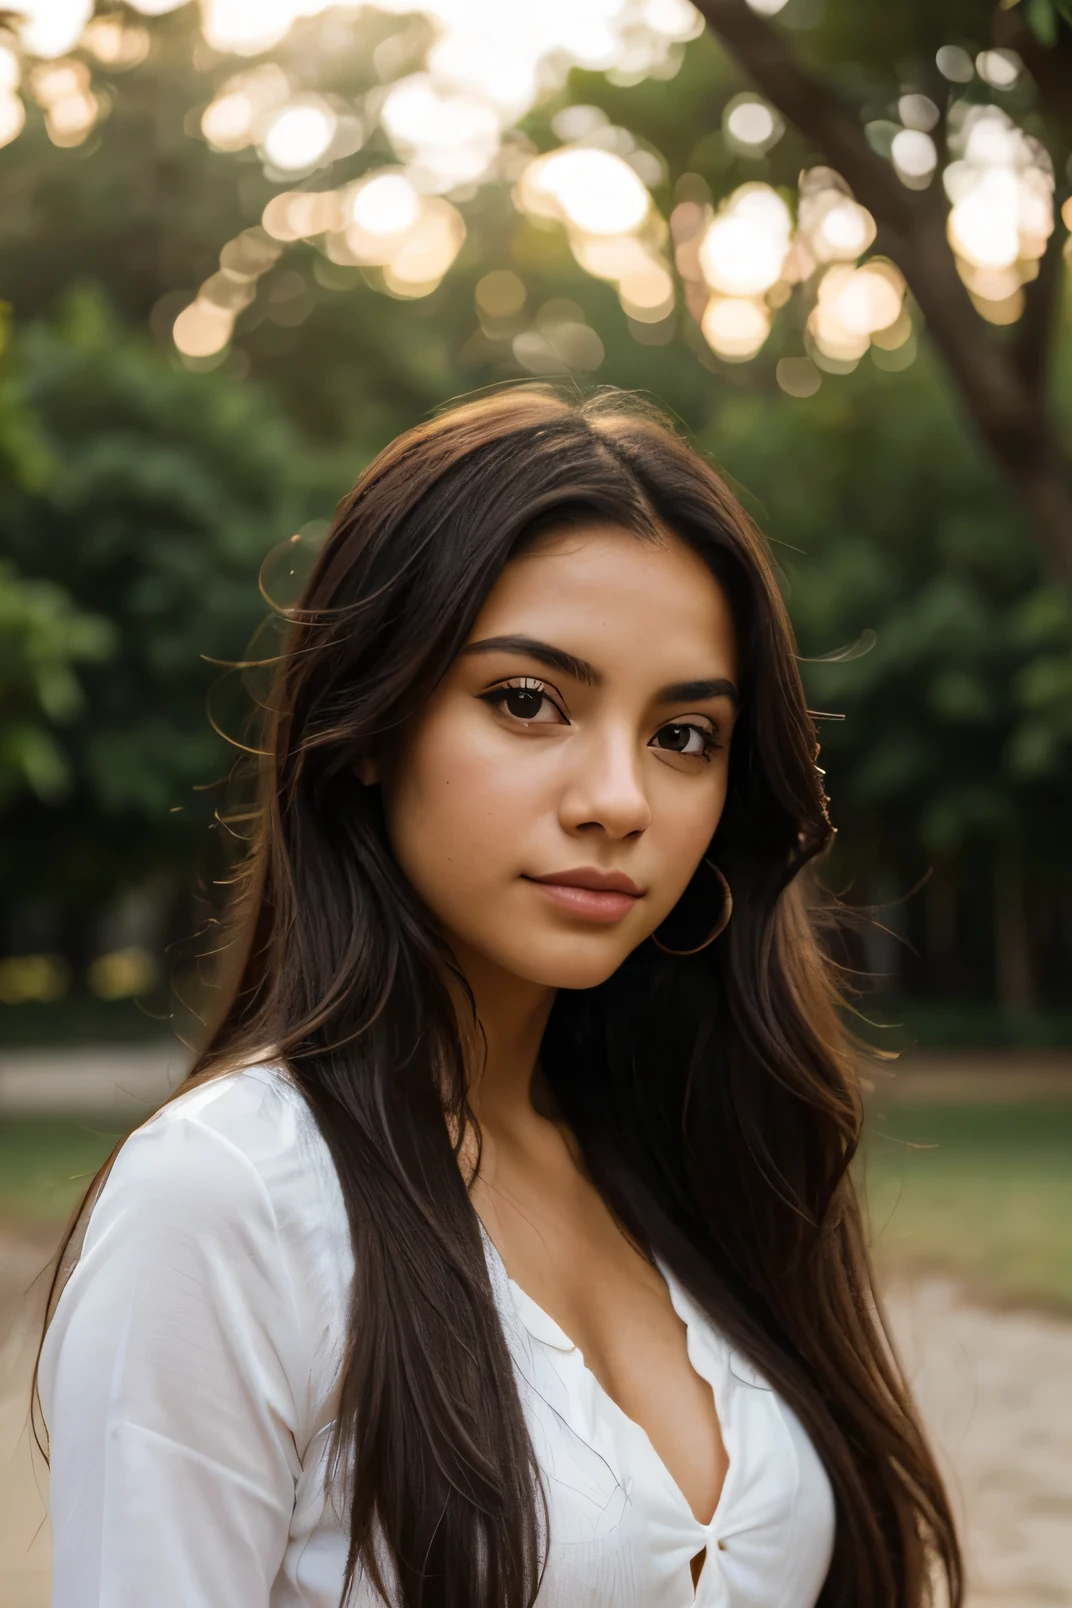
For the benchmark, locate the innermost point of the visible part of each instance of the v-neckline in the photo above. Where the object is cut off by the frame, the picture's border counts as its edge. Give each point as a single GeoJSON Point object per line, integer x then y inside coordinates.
{"type": "Point", "coordinates": [553, 1329]}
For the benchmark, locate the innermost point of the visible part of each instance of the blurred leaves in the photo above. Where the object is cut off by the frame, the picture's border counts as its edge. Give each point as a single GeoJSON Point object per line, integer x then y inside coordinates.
{"type": "Point", "coordinates": [958, 721]}
{"type": "Point", "coordinates": [43, 638]}
{"type": "Point", "coordinates": [137, 555]}
{"type": "Point", "coordinates": [139, 497]}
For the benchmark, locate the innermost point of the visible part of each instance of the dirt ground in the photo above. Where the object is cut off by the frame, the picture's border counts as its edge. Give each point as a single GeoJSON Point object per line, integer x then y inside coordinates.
{"type": "Point", "coordinates": [24, 1538]}
{"type": "Point", "coordinates": [995, 1388]}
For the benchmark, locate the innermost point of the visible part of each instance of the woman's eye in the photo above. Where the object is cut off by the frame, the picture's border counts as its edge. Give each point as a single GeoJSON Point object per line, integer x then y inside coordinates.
{"type": "Point", "coordinates": [693, 741]}
{"type": "Point", "coordinates": [522, 702]}
{"type": "Point", "coordinates": [525, 702]}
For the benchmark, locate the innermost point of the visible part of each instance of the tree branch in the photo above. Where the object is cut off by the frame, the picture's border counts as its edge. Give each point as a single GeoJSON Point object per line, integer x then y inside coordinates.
{"type": "Point", "coordinates": [1049, 66]}
{"type": "Point", "coordinates": [817, 111]}
{"type": "Point", "coordinates": [1051, 69]}
{"type": "Point", "coordinates": [1008, 411]}
{"type": "Point", "coordinates": [1032, 339]}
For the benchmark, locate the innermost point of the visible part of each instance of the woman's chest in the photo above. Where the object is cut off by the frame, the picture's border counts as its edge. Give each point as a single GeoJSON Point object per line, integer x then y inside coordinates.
{"type": "Point", "coordinates": [620, 1533]}
{"type": "Point", "coordinates": [595, 1292]}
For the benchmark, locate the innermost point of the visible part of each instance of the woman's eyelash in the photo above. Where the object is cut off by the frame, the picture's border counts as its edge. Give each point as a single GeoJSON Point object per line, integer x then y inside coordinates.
{"type": "Point", "coordinates": [708, 738]}
{"type": "Point", "coordinates": [497, 696]}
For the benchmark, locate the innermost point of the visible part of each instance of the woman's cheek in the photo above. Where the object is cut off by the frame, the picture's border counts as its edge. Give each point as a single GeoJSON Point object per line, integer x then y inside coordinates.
{"type": "Point", "coordinates": [456, 809]}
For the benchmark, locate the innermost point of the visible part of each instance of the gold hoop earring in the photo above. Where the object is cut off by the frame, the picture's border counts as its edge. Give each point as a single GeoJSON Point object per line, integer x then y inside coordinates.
{"type": "Point", "coordinates": [720, 927]}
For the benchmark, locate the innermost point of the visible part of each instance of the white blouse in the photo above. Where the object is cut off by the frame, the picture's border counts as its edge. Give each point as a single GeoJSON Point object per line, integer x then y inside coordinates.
{"type": "Point", "coordinates": [189, 1382]}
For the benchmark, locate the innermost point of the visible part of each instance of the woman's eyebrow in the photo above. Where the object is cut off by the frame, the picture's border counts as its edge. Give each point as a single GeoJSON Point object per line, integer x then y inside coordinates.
{"type": "Point", "coordinates": [691, 691]}
{"type": "Point", "coordinates": [532, 648]}
{"type": "Point", "coordinates": [581, 670]}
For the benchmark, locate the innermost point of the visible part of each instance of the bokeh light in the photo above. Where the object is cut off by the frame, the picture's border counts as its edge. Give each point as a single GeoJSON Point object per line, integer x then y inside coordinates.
{"type": "Point", "coordinates": [50, 28]}
{"type": "Point", "coordinates": [298, 136]}
{"type": "Point", "coordinates": [954, 63]}
{"type": "Point", "coordinates": [10, 70]}
{"type": "Point", "coordinates": [61, 89]}
{"type": "Point", "coordinates": [798, 376]}
{"type": "Point", "coordinates": [451, 124]}
{"type": "Point", "coordinates": [595, 190]}
{"type": "Point", "coordinates": [559, 342]}
{"type": "Point", "coordinates": [500, 294]}
{"type": "Point", "coordinates": [647, 293]}
{"type": "Point", "coordinates": [12, 117]}
{"type": "Point", "coordinates": [450, 136]}
{"type": "Point", "coordinates": [1001, 189]}
{"type": "Point", "coordinates": [70, 119]}
{"type": "Point", "coordinates": [301, 214]}
{"type": "Point", "coordinates": [915, 155]}
{"type": "Point", "coordinates": [233, 119]}
{"type": "Point", "coordinates": [385, 204]}
{"type": "Point", "coordinates": [918, 111]}
{"type": "Point", "coordinates": [427, 249]}
{"type": "Point", "coordinates": [33, 977]}
{"type": "Point", "coordinates": [735, 327]}
{"type": "Point", "coordinates": [835, 227]}
{"type": "Point", "coordinates": [746, 244]}
{"type": "Point", "coordinates": [122, 973]}
{"type": "Point", "coordinates": [865, 299]}
{"type": "Point", "coordinates": [751, 126]}
{"type": "Point", "coordinates": [115, 43]}
{"type": "Point", "coordinates": [999, 68]}
{"type": "Point", "coordinates": [203, 329]}
{"type": "Point", "coordinates": [248, 27]}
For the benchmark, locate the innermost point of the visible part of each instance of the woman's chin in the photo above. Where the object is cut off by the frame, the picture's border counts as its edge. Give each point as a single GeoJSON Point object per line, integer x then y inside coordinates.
{"type": "Point", "coordinates": [573, 963]}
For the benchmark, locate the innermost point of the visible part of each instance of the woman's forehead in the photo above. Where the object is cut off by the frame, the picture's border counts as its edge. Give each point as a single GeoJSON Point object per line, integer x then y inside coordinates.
{"type": "Point", "coordinates": [601, 592]}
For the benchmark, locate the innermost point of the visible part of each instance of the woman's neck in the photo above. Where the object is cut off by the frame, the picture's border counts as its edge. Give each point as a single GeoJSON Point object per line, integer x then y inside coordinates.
{"type": "Point", "coordinates": [513, 1013]}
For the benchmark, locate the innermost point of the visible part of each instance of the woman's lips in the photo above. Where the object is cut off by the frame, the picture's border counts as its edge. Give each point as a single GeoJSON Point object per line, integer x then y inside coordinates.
{"type": "Point", "coordinates": [593, 904]}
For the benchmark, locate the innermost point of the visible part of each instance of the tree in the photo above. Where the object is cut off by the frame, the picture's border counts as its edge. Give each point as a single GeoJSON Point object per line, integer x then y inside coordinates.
{"type": "Point", "coordinates": [171, 472]}
{"type": "Point", "coordinates": [928, 632]}
{"type": "Point", "coordinates": [44, 636]}
{"type": "Point", "coordinates": [164, 492]}
{"type": "Point", "coordinates": [446, 110]}
{"type": "Point", "coordinates": [1003, 383]}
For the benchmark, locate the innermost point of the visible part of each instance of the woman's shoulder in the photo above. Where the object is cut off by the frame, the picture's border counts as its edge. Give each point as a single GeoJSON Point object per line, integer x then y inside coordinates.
{"type": "Point", "coordinates": [243, 1132]}
{"type": "Point", "coordinates": [237, 1160]}
{"type": "Point", "coordinates": [220, 1215]}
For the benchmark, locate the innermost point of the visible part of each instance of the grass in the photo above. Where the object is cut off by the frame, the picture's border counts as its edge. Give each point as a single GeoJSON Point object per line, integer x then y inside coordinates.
{"type": "Point", "coordinates": [983, 1192]}
{"type": "Point", "coordinates": [46, 1164]}
{"type": "Point", "coordinates": [980, 1191]}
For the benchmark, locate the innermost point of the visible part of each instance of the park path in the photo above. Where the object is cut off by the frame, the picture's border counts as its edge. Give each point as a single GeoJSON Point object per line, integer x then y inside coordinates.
{"type": "Point", "coordinates": [24, 1538]}
{"type": "Point", "coordinates": [995, 1388]}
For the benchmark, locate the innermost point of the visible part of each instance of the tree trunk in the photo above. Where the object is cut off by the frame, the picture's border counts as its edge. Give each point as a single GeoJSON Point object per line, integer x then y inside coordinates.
{"type": "Point", "coordinates": [1001, 382]}
{"type": "Point", "coordinates": [1012, 949]}
{"type": "Point", "coordinates": [940, 912]}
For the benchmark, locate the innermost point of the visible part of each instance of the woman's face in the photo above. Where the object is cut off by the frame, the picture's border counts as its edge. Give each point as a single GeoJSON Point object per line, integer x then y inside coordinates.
{"type": "Point", "coordinates": [583, 732]}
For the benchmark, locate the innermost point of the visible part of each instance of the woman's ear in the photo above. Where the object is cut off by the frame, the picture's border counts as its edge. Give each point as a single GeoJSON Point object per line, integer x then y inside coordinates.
{"type": "Point", "coordinates": [368, 771]}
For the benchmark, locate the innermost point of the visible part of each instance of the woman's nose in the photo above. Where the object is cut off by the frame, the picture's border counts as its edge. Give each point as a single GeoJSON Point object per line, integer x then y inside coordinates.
{"type": "Point", "coordinates": [605, 787]}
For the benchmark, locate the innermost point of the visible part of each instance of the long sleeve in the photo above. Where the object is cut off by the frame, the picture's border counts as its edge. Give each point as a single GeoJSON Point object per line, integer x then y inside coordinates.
{"type": "Point", "coordinates": [171, 1385]}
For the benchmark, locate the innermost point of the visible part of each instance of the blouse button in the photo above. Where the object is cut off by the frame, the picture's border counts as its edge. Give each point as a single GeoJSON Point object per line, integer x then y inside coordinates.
{"type": "Point", "coordinates": [722, 1546]}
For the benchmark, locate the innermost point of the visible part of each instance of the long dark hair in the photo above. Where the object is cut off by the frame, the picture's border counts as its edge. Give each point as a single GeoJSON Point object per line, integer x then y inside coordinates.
{"type": "Point", "coordinates": [715, 1097]}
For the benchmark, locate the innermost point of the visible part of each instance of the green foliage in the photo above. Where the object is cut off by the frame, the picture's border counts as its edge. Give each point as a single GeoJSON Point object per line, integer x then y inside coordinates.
{"type": "Point", "coordinates": [138, 499]}
{"type": "Point", "coordinates": [43, 636]}
{"type": "Point", "coordinates": [901, 548]}
{"type": "Point", "coordinates": [166, 490]}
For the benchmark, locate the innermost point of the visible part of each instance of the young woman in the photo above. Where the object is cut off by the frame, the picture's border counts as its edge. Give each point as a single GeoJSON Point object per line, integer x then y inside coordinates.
{"type": "Point", "coordinates": [501, 1248]}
